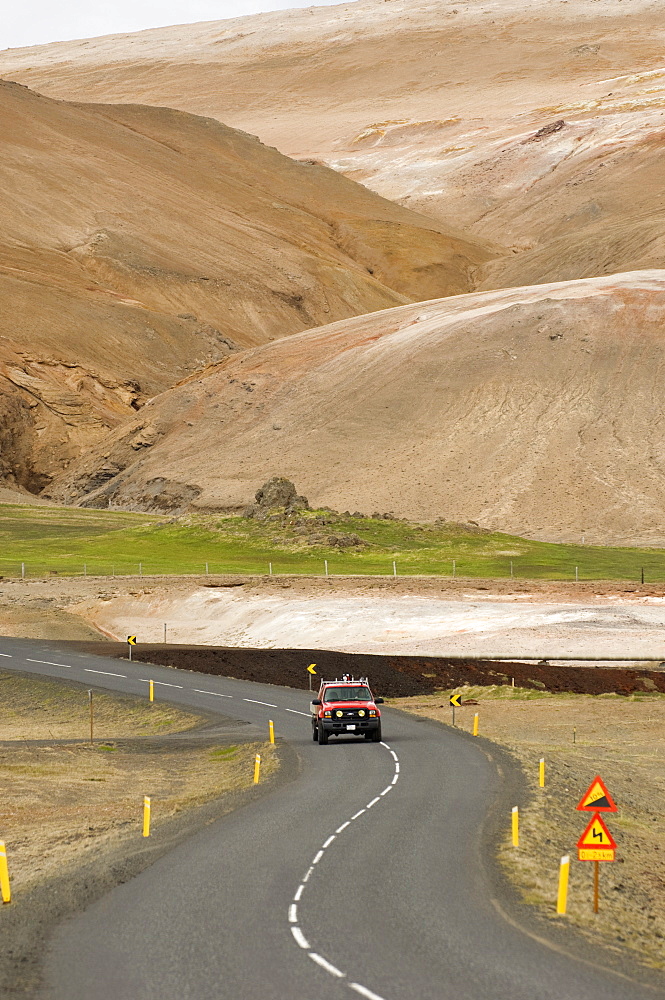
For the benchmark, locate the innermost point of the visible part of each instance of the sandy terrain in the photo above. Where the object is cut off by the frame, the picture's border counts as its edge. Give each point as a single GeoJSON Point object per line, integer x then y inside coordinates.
{"type": "Point", "coordinates": [435, 103]}
{"type": "Point", "coordinates": [428, 617]}
{"type": "Point", "coordinates": [623, 740]}
{"type": "Point", "coordinates": [529, 410]}
{"type": "Point", "coordinates": [384, 624]}
{"type": "Point", "coordinates": [140, 245]}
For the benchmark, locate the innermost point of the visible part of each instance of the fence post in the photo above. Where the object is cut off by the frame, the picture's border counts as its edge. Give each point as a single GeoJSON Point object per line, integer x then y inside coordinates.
{"type": "Point", "coordinates": [23, 571]}
{"type": "Point", "coordinates": [453, 568]}
{"type": "Point", "coordinates": [326, 562]}
{"type": "Point", "coordinates": [206, 569]}
{"type": "Point", "coordinates": [394, 568]}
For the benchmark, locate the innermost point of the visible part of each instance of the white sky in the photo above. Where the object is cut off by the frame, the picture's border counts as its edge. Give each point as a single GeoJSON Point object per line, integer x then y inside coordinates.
{"type": "Point", "coordinates": [33, 22]}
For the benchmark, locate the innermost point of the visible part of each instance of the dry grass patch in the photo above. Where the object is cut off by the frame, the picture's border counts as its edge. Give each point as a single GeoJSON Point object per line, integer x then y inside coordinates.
{"type": "Point", "coordinates": [623, 740]}
{"type": "Point", "coordinates": [62, 802]}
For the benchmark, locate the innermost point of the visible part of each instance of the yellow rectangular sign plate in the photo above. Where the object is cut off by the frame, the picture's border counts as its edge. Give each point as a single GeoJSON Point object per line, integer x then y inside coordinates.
{"type": "Point", "coordinates": [595, 854]}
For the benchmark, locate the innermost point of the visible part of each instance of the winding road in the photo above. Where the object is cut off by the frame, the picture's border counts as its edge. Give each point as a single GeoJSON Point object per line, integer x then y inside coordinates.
{"type": "Point", "coordinates": [363, 877]}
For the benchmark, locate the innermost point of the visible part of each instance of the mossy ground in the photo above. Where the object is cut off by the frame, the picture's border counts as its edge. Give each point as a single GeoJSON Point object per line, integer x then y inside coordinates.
{"type": "Point", "coordinates": [73, 541]}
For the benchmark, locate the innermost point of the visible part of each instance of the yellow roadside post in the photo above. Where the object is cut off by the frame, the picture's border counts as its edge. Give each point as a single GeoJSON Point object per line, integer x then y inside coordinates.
{"type": "Point", "coordinates": [146, 816]}
{"type": "Point", "coordinates": [475, 724]}
{"type": "Point", "coordinates": [516, 826]}
{"type": "Point", "coordinates": [151, 695]}
{"type": "Point", "coordinates": [4, 875]}
{"type": "Point", "coordinates": [562, 895]}
{"type": "Point", "coordinates": [541, 772]}
{"type": "Point", "coordinates": [271, 730]}
{"type": "Point", "coordinates": [257, 768]}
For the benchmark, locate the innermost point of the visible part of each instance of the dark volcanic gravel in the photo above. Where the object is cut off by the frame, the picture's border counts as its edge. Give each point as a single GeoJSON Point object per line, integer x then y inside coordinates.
{"type": "Point", "coordinates": [390, 676]}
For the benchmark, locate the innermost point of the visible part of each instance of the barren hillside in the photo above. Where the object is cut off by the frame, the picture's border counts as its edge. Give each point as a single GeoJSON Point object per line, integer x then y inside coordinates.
{"type": "Point", "coordinates": [534, 410]}
{"type": "Point", "coordinates": [537, 123]}
{"type": "Point", "coordinates": [138, 245]}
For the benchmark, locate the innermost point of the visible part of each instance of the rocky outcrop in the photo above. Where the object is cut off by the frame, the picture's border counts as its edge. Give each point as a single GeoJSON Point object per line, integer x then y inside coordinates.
{"type": "Point", "coordinates": [277, 494]}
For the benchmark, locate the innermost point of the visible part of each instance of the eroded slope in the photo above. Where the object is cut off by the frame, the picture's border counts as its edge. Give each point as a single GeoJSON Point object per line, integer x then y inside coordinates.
{"type": "Point", "coordinates": [139, 245]}
{"type": "Point", "coordinates": [538, 124]}
{"type": "Point", "coordinates": [533, 410]}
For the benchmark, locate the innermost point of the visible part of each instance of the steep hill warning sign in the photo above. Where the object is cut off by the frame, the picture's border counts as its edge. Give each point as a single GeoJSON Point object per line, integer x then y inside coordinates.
{"type": "Point", "coordinates": [596, 843]}
{"type": "Point", "coordinates": [597, 798]}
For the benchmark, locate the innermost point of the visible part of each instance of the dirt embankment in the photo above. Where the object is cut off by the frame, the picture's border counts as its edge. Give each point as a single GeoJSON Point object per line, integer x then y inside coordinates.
{"type": "Point", "coordinates": [71, 810]}
{"type": "Point", "coordinates": [391, 676]}
{"type": "Point", "coordinates": [623, 740]}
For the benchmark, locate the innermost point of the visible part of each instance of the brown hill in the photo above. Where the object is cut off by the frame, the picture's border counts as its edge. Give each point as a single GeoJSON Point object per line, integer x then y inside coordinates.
{"type": "Point", "coordinates": [534, 410]}
{"type": "Point", "coordinates": [452, 108]}
{"type": "Point", "coordinates": [138, 245]}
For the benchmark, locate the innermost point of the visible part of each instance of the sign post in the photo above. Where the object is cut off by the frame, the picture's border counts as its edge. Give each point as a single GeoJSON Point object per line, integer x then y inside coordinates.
{"type": "Point", "coordinates": [310, 671]}
{"type": "Point", "coordinates": [131, 641]}
{"type": "Point", "coordinates": [596, 843]}
{"type": "Point", "coordinates": [455, 702]}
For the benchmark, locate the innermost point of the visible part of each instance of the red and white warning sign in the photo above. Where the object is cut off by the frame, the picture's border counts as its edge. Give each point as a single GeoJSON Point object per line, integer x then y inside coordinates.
{"type": "Point", "coordinates": [597, 798]}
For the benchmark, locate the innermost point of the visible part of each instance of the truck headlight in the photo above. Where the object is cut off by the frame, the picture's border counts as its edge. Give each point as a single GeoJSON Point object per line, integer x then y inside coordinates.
{"type": "Point", "coordinates": [372, 713]}
{"type": "Point", "coordinates": [339, 714]}
{"type": "Point", "coordinates": [326, 715]}
{"type": "Point", "coordinates": [361, 713]}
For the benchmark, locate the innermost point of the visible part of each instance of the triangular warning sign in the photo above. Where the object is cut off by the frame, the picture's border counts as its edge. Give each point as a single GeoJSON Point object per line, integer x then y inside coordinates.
{"type": "Point", "coordinates": [597, 835]}
{"type": "Point", "coordinates": [597, 798]}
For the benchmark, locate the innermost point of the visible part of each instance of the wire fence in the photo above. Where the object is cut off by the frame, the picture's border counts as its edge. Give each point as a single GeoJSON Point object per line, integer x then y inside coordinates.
{"type": "Point", "coordinates": [469, 568]}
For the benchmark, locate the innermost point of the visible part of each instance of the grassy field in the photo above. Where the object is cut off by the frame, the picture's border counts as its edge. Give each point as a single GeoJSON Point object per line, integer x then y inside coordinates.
{"type": "Point", "coordinates": [39, 541]}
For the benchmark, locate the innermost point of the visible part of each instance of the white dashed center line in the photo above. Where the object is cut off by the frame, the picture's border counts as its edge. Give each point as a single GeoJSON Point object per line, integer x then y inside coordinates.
{"type": "Point", "coordinates": [215, 693]}
{"type": "Point", "coordinates": [300, 939]}
{"type": "Point", "coordinates": [326, 965]}
{"type": "Point", "coordinates": [48, 663]}
{"type": "Point", "coordinates": [107, 673]}
{"type": "Point", "coordinates": [163, 684]}
{"type": "Point", "coordinates": [364, 992]}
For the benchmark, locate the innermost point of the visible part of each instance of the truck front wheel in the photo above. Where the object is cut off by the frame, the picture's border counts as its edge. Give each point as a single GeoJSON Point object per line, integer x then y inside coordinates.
{"type": "Point", "coordinates": [323, 736]}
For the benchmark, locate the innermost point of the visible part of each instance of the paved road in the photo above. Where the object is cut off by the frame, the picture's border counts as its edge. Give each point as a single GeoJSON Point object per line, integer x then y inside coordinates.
{"type": "Point", "coordinates": [363, 877]}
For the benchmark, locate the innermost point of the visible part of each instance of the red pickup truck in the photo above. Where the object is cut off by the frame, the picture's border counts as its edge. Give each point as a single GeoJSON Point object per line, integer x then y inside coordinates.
{"type": "Point", "coordinates": [346, 706]}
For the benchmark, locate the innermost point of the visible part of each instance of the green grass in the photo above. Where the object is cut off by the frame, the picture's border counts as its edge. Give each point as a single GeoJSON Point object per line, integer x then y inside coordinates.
{"type": "Point", "coordinates": [65, 540]}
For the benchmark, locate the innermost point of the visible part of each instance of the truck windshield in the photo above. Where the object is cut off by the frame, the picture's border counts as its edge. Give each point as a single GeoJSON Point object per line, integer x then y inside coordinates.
{"type": "Point", "coordinates": [361, 693]}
